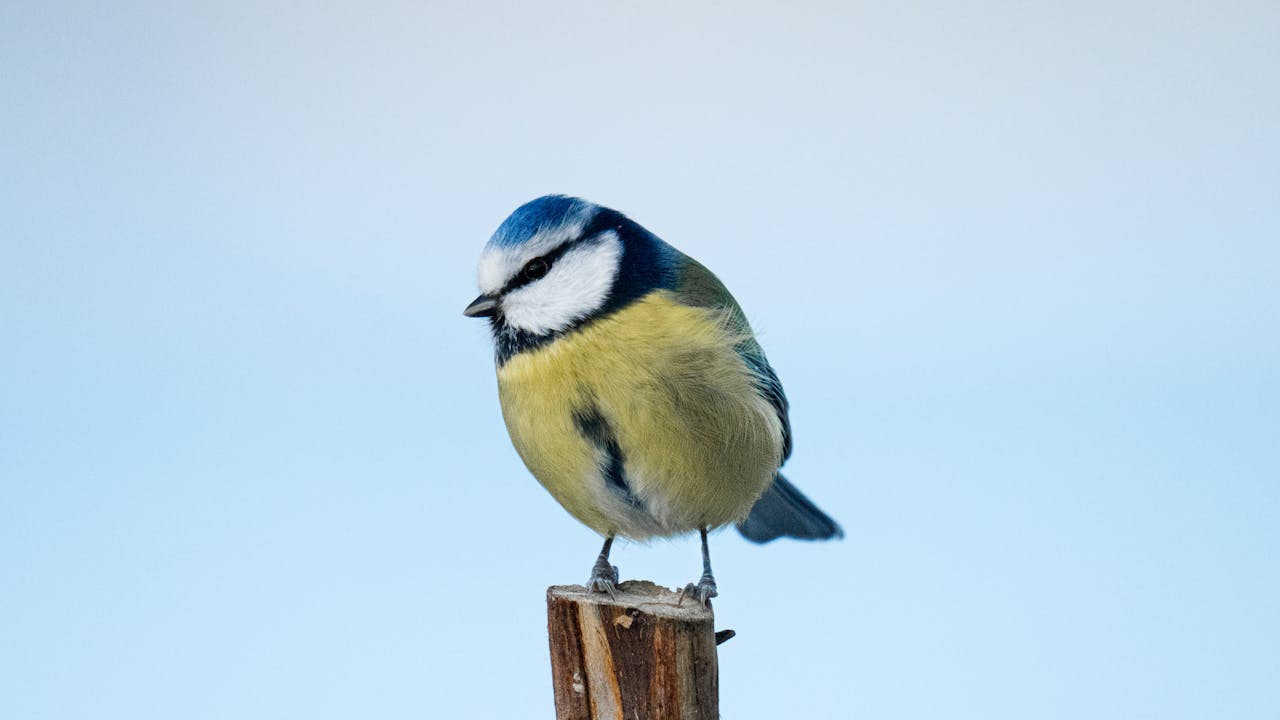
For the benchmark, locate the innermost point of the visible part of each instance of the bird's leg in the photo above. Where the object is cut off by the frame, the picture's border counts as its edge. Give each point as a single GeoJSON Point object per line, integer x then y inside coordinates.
{"type": "Point", "coordinates": [705, 588]}
{"type": "Point", "coordinates": [604, 577]}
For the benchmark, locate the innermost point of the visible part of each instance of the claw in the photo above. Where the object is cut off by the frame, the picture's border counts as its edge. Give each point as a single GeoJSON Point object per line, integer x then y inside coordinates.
{"type": "Point", "coordinates": [702, 591]}
{"type": "Point", "coordinates": [604, 578]}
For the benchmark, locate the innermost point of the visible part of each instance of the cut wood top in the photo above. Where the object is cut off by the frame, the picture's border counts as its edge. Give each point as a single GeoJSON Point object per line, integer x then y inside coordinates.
{"type": "Point", "coordinates": [642, 595]}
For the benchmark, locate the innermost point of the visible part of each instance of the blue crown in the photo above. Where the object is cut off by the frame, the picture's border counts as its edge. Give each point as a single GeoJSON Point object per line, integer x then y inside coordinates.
{"type": "Point", "coordinates": [545, 213]}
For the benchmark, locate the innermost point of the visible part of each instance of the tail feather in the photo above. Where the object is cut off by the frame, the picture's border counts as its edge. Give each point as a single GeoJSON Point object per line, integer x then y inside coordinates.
{"type": "Point", "coordinates": [783, 511]}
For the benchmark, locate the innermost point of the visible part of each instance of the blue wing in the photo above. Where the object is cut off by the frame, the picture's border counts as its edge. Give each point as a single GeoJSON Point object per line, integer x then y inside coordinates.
{"type": "Point", "coordinates": [783, 511]}
{"type": "Point", "coordinates": [770, 387]}
{"type": "Point", "coordinates": [699, 287]}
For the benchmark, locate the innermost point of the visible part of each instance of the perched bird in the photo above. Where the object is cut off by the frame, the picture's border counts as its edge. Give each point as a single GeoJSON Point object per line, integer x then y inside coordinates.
{"type": "Point", "coordinates": [632, 386]}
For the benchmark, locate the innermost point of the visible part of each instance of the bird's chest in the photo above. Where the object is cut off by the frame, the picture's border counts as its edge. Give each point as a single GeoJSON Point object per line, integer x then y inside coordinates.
{"type": "Point", "coordinates": [646, 422]}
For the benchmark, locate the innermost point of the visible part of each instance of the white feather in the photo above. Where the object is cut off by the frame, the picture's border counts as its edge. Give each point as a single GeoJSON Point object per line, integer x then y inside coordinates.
{"type": "Point", "coordinates": [499, 264]}
{"type": "Point", "coordinates": [577, 285]}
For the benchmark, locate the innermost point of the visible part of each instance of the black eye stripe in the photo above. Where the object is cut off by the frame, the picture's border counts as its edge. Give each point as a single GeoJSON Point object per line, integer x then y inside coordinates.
{"type": "Point", "coordinates": [522, 278]}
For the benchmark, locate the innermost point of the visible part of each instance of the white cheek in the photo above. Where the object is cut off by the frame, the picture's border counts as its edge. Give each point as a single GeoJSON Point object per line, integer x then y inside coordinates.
{"type": "Point", "coordinates": [493, 271]}
{"type": "Point", "coordinates": [499, 264]}
{"type": "Point", "coordinates": [577, 286]}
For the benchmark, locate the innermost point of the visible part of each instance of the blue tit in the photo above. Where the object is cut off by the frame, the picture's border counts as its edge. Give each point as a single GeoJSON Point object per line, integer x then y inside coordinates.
{"type": "Point", "coordinates": [632, 386]}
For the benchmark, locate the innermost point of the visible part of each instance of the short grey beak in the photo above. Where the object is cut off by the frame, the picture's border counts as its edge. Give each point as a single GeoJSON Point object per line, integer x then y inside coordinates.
{"type": "Point", "coordinates": [483, 306]}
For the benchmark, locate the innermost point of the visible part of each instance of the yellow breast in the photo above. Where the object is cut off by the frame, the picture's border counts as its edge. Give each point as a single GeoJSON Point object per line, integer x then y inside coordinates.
{"type": "Point", "coordinates": [698, 443]}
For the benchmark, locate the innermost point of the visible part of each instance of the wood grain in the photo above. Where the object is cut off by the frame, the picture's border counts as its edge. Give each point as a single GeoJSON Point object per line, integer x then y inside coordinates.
{"type": "Point", "coordinates": [639, 656]}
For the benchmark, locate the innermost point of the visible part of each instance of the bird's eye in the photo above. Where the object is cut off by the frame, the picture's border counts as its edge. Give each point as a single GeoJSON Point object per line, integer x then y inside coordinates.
{"type": "Point", "coordinates": [535, 269]}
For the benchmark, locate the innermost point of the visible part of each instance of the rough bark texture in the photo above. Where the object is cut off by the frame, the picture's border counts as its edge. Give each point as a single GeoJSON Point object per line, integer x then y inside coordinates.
{"type": "Point", "coordinates": [638, 656]}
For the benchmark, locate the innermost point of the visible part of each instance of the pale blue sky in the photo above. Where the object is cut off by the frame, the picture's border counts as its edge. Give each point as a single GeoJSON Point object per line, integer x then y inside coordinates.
{"type": "Point", "coordinates": [1015, 263]}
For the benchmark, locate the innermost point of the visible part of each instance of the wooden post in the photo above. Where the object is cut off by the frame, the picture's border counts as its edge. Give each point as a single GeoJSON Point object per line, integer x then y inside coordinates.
{"type": "Point", "coordinates": [637, 655]}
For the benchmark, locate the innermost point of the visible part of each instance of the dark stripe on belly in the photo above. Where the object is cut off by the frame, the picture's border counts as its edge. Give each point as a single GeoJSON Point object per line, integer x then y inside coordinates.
{"type": "Point", "coordinates": [595, 428]}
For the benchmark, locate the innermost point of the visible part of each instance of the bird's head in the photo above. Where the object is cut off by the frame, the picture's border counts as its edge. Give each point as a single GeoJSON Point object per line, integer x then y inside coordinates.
{"type": "Point", "coordinates": [558, 262]}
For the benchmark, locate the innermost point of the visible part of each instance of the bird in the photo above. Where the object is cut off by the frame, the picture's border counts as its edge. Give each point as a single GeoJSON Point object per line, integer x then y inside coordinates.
{"type": "Point", "coordinates": [632, 385]}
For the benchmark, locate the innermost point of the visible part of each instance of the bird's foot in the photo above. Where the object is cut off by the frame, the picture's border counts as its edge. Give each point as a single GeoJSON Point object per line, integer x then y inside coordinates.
{"type": "Point", "coordinates": [702, 591]}
{"type": "Point", "coordinates": [604, 577]}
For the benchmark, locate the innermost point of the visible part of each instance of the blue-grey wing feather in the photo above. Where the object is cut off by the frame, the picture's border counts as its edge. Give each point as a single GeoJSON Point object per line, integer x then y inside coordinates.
{"type": "Point", "coordinates": [770, 387]}
{"type": "Point", "coordinates": [699, 287]}
{"type": "Point", "coordinates": [783, 511]}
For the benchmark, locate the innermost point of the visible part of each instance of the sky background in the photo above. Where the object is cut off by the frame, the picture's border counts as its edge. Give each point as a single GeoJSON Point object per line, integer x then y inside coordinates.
{"type": "Point", "coordinates": [1016, 265]}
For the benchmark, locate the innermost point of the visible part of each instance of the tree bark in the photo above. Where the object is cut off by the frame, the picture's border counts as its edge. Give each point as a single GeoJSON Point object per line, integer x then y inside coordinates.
{"type": "Point", "coordinates": [637, 656]}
